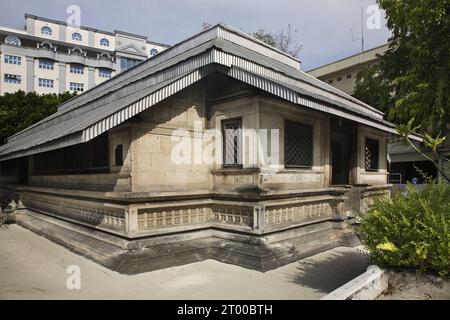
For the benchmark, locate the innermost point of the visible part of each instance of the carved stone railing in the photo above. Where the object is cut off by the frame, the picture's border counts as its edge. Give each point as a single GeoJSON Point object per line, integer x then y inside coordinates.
{"type": "Point", "coordinates": [154, 218]}
{"type": "Point", "coordinates": [298, 212]}
{"type": "Point", "coordinates": [369, 195]}
{"type": "Point", "coordinates": [88, 212]}
{"type": "Point", "coordinates": [136, 219]}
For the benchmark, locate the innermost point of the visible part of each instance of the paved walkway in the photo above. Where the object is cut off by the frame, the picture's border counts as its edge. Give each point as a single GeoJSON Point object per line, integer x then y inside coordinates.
{"type": "Point", "coordinates": [32, 267]}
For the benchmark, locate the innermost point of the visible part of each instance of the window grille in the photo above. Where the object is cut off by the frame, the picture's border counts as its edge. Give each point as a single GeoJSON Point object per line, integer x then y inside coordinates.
{"type": "Point", "coordinates": [232, 142]}
{"type": "Point", "coordinates": [298, 145]}
{"type": "Point", "coordinates": [371, 154]}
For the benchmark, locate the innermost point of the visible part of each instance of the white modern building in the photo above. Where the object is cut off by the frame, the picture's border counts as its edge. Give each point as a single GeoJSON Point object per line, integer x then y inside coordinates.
{"type": "Point", "coordinates": [342, 74]}
{"type": "Point", "coordinates": [51, 56]}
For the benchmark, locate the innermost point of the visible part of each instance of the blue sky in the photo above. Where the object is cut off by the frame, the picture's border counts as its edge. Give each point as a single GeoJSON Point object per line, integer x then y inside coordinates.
{"type": "Point", "coordinates": [324, 26]}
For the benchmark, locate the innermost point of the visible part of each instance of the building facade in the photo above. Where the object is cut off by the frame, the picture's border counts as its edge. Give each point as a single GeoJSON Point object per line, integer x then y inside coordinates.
{"type": "Point", "coordinates": [50, 56]}
{"type": "Point", "coordinates": [342, 74]}
{"type": "Point", "coordinates": [219, 147]}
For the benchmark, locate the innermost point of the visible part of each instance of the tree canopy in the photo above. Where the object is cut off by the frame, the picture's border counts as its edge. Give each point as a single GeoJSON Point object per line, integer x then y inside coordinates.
{"type": "Point", "coordinates": [412, 78]}
{"type": "Point", "coordinates": [20, 110]}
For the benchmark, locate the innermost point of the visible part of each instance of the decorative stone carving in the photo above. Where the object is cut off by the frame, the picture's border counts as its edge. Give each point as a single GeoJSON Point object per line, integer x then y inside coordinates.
{"type": "Point", "coordinates": [154, 218]}
{"type": "Point", "coordinates": [369, 196]}
{"type": "Point", "coordinates": [89, 212]}
{"type": "Point", "coordinates": [298, 212]}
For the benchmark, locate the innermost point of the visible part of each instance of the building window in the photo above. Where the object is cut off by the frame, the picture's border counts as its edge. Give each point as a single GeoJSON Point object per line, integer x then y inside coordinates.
{"type": "Point", "coordinates": [298, 145]}
{"type": "Point", "coordinates": [77, 68]}
{"type": "Point", "coordinates": [104, 73]}
{"type": "Point", "coordinates": [339, 79]}
{"type": "Point", "coordinates": [78, 87]}
{"type": "Point", "coordinates": [12, 40]}
{"type": "Point", "coordinates": [45, 83]}
{"type": "Point", "coordinates": [104, 42]}
{"type": "Point", "coordinates": [46, 64]}
{"type": "Point", "coordinates": [46, 30]}
{"type": "Point", "coordinates": [153, 52]}
{"type": "Point", "coordinates": [127, 63]}
{"type": "Point", "coordinates": [348, 76]}
{"type": "Point", "coordinates": [76, 36]}
{"type": "Point", "coordinates": [330, 81]}
{"type": "Point", "coordinates": [13, 59]}
{"type": "Point", "coordinates": [13, 78]}
{"type": "Point", "coordinates": [232, 142]}
{"type": "Point", "coordinates": [85, 157]}
{"type": "Point", "coordinates": [371, 154]}
{"type": "Point", "coordinates": [118, 155]}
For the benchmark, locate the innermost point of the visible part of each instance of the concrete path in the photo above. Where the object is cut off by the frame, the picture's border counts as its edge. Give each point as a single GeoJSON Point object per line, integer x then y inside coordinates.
{"type": "Point", "coordinates": [32, 267]}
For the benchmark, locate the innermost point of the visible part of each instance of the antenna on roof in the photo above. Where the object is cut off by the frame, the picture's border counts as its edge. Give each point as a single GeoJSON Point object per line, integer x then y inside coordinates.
{"type": "Point", "coordinates": [362, 32]}
{"type": "Point", "coordinates": [205, 25]}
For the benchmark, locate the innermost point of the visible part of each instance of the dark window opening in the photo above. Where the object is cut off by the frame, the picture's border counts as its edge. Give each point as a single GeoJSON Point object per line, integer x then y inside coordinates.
{"type": "Point", "coordinates": [371, 154]}
{"type": "Point", "coordinates": [339, 78]}
{"type": "Point", "coordinates": [118, 155]}
{"type": "Point", "coordinates": [403, 172]}
{"type": "Point", "coordinates": [298, 144]}
{"type": "Point", "coordinates": [8, 167]}
{"type": "Point", "coordinates": [342, 151]}
{"type": "Point", "coordinates": [232, 142]}
{"type": "Point", "coordinates": [91, 156]}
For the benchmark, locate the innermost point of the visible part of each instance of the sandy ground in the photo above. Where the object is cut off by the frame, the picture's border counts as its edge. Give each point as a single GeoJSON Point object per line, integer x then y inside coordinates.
{"type": "Point", "coordinates": [32, 267]}
{"type": "Point", "coordinates": [405, 285]}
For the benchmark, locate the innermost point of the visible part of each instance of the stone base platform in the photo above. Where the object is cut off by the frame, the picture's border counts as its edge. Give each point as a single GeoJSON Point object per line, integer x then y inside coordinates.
{"type": "Point", "coordinates": [132, 256]}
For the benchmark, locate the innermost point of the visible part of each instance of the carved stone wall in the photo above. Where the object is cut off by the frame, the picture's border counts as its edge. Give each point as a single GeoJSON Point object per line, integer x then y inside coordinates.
{"type": "Point", "coordinates": [133, 218]}
{"type": "Point", "coordinates": [90, 212]}
{"type": "Point", "coordinates": [298, 212]}
{"type": "Point", "coordinates": [154, 218]}
{"type": "Point", "coordinates": [368, 197]}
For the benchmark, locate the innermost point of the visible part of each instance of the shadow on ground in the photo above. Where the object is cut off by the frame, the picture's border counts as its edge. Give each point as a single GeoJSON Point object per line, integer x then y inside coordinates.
{"type": "Point", "coordinates": [330, 272]}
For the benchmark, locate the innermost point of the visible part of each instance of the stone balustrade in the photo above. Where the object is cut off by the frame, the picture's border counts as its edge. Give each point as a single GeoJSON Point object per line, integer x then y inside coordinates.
{"type": "Point", "coordinates": [135, 219]}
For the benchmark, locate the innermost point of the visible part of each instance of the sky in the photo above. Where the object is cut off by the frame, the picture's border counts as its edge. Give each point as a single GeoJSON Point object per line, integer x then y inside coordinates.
{"type": "Point", "coordinates": [324, 27]}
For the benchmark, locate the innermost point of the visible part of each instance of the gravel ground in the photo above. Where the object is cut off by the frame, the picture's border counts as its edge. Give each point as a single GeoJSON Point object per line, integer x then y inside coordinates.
{"type": "Point", "coordinates": [411, 286]}
{"type": "Point", "coordinates": [32, 267]}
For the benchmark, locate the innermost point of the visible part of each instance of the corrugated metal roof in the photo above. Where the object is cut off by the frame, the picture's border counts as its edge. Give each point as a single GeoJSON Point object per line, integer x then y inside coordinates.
{"type": "Point", "coordinates": [109, 104]}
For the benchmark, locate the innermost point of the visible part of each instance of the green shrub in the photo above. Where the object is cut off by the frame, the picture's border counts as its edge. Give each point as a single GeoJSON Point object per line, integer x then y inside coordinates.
{"type": "Point", "coordinates": [410, 230]}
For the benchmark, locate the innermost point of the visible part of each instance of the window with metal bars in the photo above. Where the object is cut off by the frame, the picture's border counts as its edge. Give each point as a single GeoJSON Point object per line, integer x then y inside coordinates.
{"type": "Point", "coordinates": [298, 145]}
{"type": "Point", "coordinates": [371, 154]}
{"type": "Point", "coordinates": [232, 142]}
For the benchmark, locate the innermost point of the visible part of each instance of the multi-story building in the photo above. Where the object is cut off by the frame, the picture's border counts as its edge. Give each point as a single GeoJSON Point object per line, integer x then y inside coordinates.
{"type": "Point", "coordinates": [51, 56]}
{"type": "Point", "coordinates": [342, 74]}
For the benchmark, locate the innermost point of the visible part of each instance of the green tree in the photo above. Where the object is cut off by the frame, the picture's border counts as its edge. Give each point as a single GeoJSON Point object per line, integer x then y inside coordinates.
{"type": "Point", "coordinates": [373, 88]}
{"type": "Point", "coordinates": [20, 110]}
{"type": "Point", "coordinates": [412, 78]}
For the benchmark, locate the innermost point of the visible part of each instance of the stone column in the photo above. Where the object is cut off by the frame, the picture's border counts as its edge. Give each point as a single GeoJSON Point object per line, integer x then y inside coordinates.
{"type": "Point", "coordinates": [91, 38]}
{"type": "Point", "coordinates": [131, 220]}
{"type": "Point", "coordinates": [30, 25]}
{"type": "Point", "coordinates": [62, 77]}
{"type": "Point", "coordinates": [62, 32]}
{"type": "Point", "coordinates": [259, 213]}
{"type": "Point", "coordinates": [91, 77]}
{"type": "Point", "coordinates": [30, 74]}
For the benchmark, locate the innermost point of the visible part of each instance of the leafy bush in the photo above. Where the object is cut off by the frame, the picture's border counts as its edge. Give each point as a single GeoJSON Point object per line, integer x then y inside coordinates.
{"type": "Point", "coordinates": [410, 230]}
